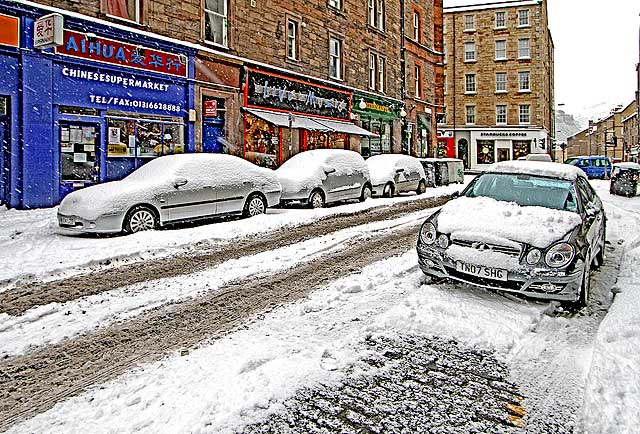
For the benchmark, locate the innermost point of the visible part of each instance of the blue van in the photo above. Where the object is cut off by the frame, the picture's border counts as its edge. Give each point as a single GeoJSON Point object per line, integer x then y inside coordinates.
{"type": "Point", "coordinates": [595, 166]}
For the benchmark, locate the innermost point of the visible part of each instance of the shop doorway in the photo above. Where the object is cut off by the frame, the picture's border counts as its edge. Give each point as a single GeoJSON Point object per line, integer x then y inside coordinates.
{"type": "Point", "coordinates": [504, 154]}
{"type": "Point", "coordinates": [79, 155]}
{"type": "Point", "coordinates": [5, 150]}
{"type": "Point", "coordinates": [212, 135]}
{"type": "Point", "coordinates": [463, 152]}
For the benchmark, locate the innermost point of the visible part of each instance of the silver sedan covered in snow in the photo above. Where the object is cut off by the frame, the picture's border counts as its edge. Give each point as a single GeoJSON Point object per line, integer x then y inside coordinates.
{"type": "Point", "coordinates": [172, 189]}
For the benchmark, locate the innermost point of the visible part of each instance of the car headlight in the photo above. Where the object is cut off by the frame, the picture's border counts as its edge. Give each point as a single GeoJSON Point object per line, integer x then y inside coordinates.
{"type": "Point", "coordinates": [559, 255]}
{"type": "Point", "coordinates": [533, 257]}
{"type": "Point", "coordinates": [443, 241]}
{"type": "Point", "coordinates": [428, 233]}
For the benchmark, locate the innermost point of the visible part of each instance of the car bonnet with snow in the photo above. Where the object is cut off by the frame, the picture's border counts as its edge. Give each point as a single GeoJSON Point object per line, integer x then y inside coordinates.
{"type": "Point", "coordinates": [382, 168]}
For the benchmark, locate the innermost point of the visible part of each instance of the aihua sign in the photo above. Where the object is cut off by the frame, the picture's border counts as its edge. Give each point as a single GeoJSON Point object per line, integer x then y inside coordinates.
{"type": "Point", "coordinates": [95, 48]}
{"type": "Point", "coordinates": [285, 94]}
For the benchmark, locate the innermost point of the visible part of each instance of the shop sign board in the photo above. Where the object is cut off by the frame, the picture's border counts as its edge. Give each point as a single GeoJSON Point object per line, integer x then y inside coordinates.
{"type": "Point", "coordinates": [98, 49]}
{"type": "Point", "coordinates": [210, 108]}
{"type": "Point", "coordinates": [9, 31]}
{"type": "Point", "coordinates": [504, 134]}
{"type": "Point", "coordinates": [102, 89]}
{"type": "Point", "coordinates": [377, 107]}
{"type": "Point", "coordinates": [48, 31]}
{"type": "Point", "coordinates": [263, 90]}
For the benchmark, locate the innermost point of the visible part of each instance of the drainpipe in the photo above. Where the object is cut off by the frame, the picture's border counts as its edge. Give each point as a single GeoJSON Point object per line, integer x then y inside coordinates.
{"type": "Point", "coordinates": [403, 132]}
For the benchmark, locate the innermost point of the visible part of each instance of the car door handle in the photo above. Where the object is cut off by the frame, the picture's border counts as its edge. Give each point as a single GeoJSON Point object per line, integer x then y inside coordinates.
{"type": "Point", "coordinates": [209, 186]}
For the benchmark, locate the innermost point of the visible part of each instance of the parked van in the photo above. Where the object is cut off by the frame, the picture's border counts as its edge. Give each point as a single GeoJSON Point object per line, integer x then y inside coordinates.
{"type": "Point", "coordinates": [595, 166]}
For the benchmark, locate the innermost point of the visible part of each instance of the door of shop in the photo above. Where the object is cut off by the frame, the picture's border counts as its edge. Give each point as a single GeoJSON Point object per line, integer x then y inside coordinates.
{"type": "Point", "coordinates": [79, 155]}
{"type": "Point", "coordinates": [5, 158]}
{"type": "Point", "coordinates": [212, 135]}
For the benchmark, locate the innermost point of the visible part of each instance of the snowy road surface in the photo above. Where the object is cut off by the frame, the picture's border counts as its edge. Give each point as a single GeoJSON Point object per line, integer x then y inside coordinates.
{"type": "Point", "coordinates": [335, 332]}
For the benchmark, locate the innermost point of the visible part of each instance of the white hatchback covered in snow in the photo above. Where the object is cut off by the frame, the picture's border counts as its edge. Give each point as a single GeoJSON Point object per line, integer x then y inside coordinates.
{"type": "Point", "coordinates": [324, 175]}
{"type": "Point", "coordinates": [396, 173]}
{"type": "Point", "coordinates": [526, 227]}
{"type": "Point", "coordinates": [172, 189]}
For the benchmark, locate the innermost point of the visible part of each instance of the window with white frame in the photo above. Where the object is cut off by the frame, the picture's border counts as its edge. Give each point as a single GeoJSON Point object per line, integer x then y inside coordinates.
{"type": "Point", "coordinates": [444, 83]}
{"type": "Point", "coordinates": [523, 17]}
{"type": "Point", "coordinates": [376, 14]}
{"type": "Point", "coordinates": [524, 48]}
{"type": "Point", "coordinates": [416, 26]}
{"type": "Point", "coordinates": [501, 20]}
{"type": "Point", "coordinates": [381, 73]}
{"type": "Point", "coordinates": [292, 39]}
{"type": "Point", "coordinates": [372, 71]}
{"type": "Point", "coordinates": [444, 52]}
{"type": "Point", "coordinates": [469, 22]}
{"type": "Point", "coordinates": [471, 114]}
{"type": "Point", "coordinates": [416, 81]}
{"type": "Point", "coordinates": [215, 24]}
{"type": "Point", "coordinates": [377, 72]}
{"type": "Point", "coordinates": [336, 4]}
{"type": "Point", "coordinates": [130, 10]}
{"type": "Point", "coordinates": [501, 81]}
{"type": "Point", "coordinates": [335, 58]}
{"type": "Point", "coordinates": [525, 114]}
{"type": "Point", "coordinates": [501, 114]}
{"type": "Point", "coordinates": [470, 83]}
{"type": "Point", "coordinates": [524, 83]}
{"type": "Point", "coordinates": [501, 49]}
{"type": "Point", "coordinates": [469, 51]}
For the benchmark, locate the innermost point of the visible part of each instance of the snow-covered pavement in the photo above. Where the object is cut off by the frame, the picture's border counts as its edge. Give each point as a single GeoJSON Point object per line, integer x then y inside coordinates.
{"type": "Point", "coordinates": [584, 372]}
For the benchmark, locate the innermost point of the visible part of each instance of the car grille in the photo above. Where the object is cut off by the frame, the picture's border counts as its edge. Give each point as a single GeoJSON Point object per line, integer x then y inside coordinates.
{"type": "Point", "coordinates": [511, 251]}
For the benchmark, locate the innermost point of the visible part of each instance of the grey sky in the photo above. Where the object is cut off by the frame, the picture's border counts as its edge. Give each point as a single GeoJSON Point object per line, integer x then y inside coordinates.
{"type": "Point", "coordinates": [596, 50]}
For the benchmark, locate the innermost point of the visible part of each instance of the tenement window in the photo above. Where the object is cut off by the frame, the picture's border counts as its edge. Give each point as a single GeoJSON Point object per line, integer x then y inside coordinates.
{"type": "Point", "coordinates": [130, 10]}
{"type": "Point", "coordinates": [471, 114]}
{"type": "Point", "coordinates": [292, 39]}
{"type": "Point", "coordinates": [523, 17]}
{"type": "Point", "coordinates": [336, 4]}
{"type": "Point", "coordinates": [470, 83]}
{"type": "Point", "coordinates": [416, 27]}
{"type": "Point", "coordinates": [525, 114]}
{"type": "Point", "coordinates": [501, 81]}
{"type": "Point", "coordinates": [469, 51]}
{"type": "Point", "coordinates": [215, 24]}
{"type": "Point", "coordinates": [376, 14]}
{"type": "Point", "coordinates": [501, 114]}
{"type": "Point", "coordinates": [335, 58]}
{"type": "Point", "coordinates": [416, 80]}
{"type": "Point", "coordinates": [469, 22]}
{"type": "Point", "coordinates": [501, 20]}
{"type": "Point", "coordinates": [501, 50]}
{"type": "Point", "coordinates": [524, 84]}
{"type": "Point", "coordinates": [524, 48]}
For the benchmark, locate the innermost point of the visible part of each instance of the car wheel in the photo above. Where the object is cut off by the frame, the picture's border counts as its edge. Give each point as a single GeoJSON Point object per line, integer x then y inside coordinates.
{"type": "Point", "coordinates": [366, 193]}
{"type": "Point", "coordinates": [316, 200]}
{"type": "Point", "coordinates": [585, 287]}
{"type": "Point", "coordinates": [388, 190]}
{"type": "Point", "coordinates": [254, 206]}
{"type": "Point", "coordinates": [422, 187]}
{"type": "Point", "coordinates": [140, 218]}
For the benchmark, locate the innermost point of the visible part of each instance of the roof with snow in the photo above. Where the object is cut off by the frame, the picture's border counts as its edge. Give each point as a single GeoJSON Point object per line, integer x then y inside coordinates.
{"type": "Point", "coordinates": [475, 5]}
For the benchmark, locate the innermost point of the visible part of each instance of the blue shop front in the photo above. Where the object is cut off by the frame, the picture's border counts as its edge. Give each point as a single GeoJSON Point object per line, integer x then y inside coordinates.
{"type": "Point", "coordinates": [90, 110]}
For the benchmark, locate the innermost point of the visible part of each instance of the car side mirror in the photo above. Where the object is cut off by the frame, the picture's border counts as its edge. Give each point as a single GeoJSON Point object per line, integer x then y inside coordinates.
{"type": "Point", "coordinates": [179, 182]}
{"type": "Point", "coordinates": [455, 195]}
{"type": "Point", "coordinates": [328, 170]}
{"type": "Point", "coordinates": [399, 170]}
{"type": "Point", "coordinates": [591, 212]}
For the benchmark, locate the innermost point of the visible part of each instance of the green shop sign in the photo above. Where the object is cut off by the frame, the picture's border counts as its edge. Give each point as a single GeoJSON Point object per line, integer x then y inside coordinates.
{"type": "Point", "coordinates": [379, 107]}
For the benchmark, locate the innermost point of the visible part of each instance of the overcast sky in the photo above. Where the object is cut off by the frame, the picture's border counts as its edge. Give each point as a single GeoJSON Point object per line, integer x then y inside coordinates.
{"type": "Point", "coordinates": [596, 52]}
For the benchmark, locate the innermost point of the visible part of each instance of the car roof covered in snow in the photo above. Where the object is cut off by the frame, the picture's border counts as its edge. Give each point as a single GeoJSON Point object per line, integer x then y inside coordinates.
{"type": "Point", "coordinates": [628, 165]}
{"type": "Point", "coordinates": [538, 168]}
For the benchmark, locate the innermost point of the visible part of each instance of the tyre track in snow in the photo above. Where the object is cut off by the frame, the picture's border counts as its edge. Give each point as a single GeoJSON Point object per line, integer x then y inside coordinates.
{"type": "Point", "coordinates": [35, 382]}
{"type": "Point", "coordinates": [203, 255]}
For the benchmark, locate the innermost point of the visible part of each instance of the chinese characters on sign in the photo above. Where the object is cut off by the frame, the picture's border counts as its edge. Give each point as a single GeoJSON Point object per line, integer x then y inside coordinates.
{"type": "Point", "coordinates": [48, 31]}
{"type": "Point", "coordinates": [121, 53]}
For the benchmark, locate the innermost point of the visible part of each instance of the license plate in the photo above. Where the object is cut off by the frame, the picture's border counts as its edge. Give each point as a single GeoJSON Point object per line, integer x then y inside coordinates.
{"type": "Point", "coordinates": [69, 221]}
{"type": "Point", "coordinates": [480, 271]}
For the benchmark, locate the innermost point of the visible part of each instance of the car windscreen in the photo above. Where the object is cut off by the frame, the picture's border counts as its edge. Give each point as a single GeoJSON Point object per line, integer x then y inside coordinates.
{"type": "Point", "coordinates": [571, 161]}
{"type": "Point", "coordinates": [525, 190]}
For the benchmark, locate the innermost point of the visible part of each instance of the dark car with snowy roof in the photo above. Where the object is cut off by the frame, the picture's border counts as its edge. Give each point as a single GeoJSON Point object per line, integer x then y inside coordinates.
{"type": "Point", "coordinates": [524, 227]}
{"type": "Point", "coordinates": [624, 179]}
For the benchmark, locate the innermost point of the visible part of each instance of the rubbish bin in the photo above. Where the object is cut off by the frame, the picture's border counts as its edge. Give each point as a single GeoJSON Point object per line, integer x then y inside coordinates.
{"type": "Point", "coordinates": [455, 170]}
{"type": "Point", "coordinates": [442, 172]}
{"type": "Point", "coordinates": [429, 165]}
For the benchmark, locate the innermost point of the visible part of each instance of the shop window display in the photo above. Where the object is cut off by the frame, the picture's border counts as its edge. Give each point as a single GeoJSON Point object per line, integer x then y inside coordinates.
{"type": "Point", "coordinates": [521, 148]}
{"type": "Point", "coordinates": [324, 140]}
{"type": "Point", "coordinates": [380, 144]}
{"type": "Point", "coordinates": [441, 152]}
{"type": "Point", "coordinates": [144, 139]}
{"type": "Point", "coordinates": [78, 152]}
{"type": "Point", "coordinates": [486, 152]}
{"type": "Point", "coordinates": [262, 145]}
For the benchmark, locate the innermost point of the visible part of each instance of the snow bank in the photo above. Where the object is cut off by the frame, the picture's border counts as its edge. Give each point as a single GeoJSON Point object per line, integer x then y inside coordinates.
{"type": "Point", "coordinates": [536, 226]}
{"type": "Point", "coordinates": [383, 167]}
{"type": "Point", "coordinates": [306, 170]}
{"type": "Point", "coordinates": [539, 168]}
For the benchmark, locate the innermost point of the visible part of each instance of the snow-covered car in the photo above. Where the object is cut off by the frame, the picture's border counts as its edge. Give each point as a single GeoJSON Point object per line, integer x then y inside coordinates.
{"type": "Point", "coordinates": [525, 227]}
{"type": "Point", "coordinates": [171, 189]}
{"type": "Point", "coordinates": [392, 174]}
{"type": "Point", "coordinates": [624, 179]}
{"type": "Point", "coordinates": [323, 176]}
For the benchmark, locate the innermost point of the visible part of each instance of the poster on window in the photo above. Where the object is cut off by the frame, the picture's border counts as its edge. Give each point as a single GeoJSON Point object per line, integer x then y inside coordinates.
{"type": "Point", "coordinates": [486, 152]}
{"type": "Point", "coordinates": [114, 135]}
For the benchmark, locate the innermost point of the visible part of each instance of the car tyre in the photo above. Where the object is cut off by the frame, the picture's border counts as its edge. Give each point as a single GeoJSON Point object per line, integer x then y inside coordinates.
{"type": "Point", "coordinates": [366, 193]}
{"type": "Point", "coordinates": [140, 218]}
{"type": "Point", "coordinates": [316, 200]}
{"type": "Point", "coordinates": [585, 287]}
{"type": "Point", "coordinates": [388, 190]}
{"type": "Point", "coordinates": [255, 205]}
{"type": "Point", "coordinates": [422, 187]}
{"type": "Point", "coordinates": [600, 255]}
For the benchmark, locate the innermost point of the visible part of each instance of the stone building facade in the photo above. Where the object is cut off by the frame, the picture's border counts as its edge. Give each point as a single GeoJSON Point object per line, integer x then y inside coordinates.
{"type": "Point", "coordinates": [499, 82]}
